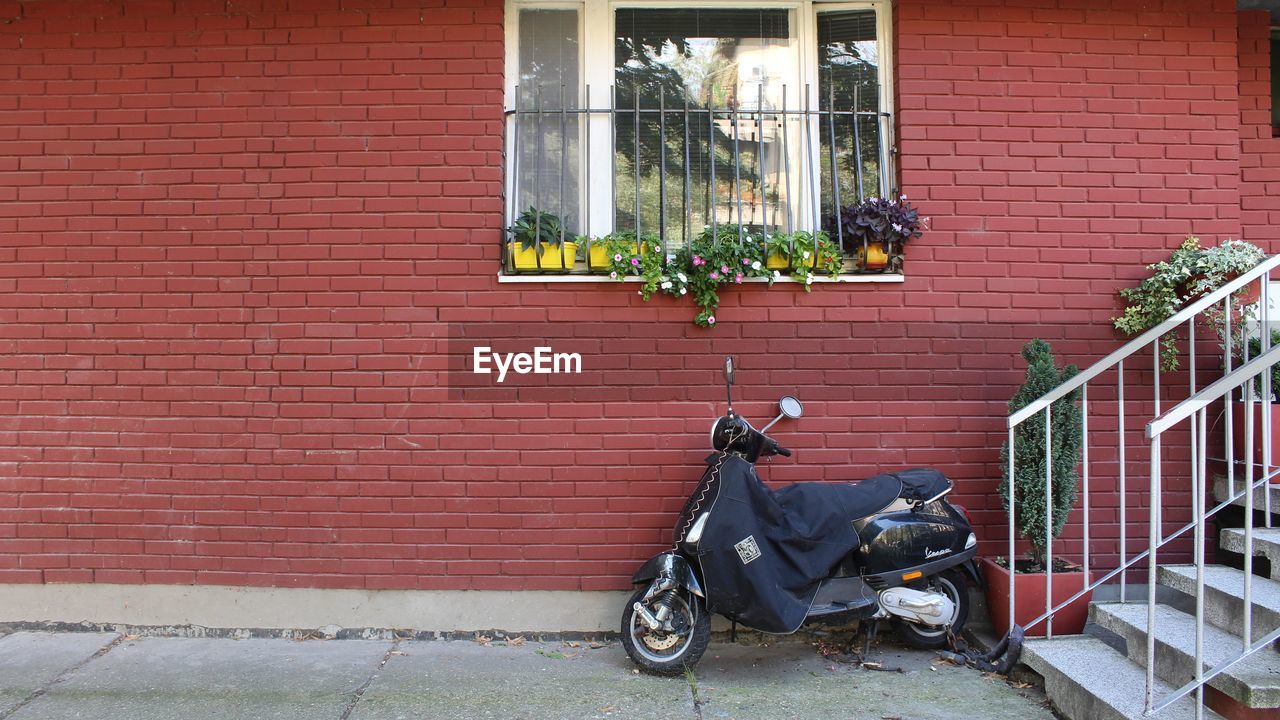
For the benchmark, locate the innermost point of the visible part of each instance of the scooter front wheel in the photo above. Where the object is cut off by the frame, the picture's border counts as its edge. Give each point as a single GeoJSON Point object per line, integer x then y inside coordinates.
{"type": "Point", "coordinates": [681, 640]}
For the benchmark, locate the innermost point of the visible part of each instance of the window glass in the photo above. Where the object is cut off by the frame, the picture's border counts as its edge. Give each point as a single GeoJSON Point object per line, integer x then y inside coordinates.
{"type": "Point", "coordinates": [848, 83]}
{"type": "Point", "coordinates": [723, 66]}
{"type": "Point", "coordinates": [547, 159]}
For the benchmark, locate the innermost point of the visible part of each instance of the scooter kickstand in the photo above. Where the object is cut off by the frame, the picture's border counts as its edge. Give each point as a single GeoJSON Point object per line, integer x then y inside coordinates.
{"type": "Point", "coordinates": [868, 637]}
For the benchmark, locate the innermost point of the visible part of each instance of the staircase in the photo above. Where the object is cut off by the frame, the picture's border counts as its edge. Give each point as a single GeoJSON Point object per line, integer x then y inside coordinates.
{"type": "Point", "coordinates": [1177, 648]}
{"type": "Point", "coordinates": [1102, 673]}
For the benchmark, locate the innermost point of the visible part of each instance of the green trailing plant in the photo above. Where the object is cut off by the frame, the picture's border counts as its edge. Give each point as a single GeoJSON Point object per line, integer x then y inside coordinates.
{"type": "Point", "coordinates": [729, 255]}
{"type": "Point", "coordinates": [711, 261]}
{"type": "Point", "coordinates": [1029, 472]}
{"type": "Point", "coordinates": [1190, 272]}
{"type": "Point", "coordinates": [534, 227]}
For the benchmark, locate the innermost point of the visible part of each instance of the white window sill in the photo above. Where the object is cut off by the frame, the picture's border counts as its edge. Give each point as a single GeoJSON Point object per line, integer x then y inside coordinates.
{"type": "Point", "coordinates": [582, 278]}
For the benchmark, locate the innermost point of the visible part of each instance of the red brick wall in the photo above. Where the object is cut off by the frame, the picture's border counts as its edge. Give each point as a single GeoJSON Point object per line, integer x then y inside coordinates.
{"type": "Point", "coordinates": [1259, 150]}
{"type": "Point", "coordinates": [234, 240]}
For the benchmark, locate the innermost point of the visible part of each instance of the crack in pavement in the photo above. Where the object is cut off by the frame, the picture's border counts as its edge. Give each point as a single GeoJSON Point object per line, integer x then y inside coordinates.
{"type": "Point", "coordinates": [38, 692]}
{"type": "Point", "coordinates": [693, 687]}
{"type": "Point", "coordinates": [351, 706]}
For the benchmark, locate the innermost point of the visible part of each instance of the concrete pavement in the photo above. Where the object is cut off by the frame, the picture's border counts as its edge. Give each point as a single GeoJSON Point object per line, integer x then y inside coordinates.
{"type": "Point", "coordinates": [66, 676]}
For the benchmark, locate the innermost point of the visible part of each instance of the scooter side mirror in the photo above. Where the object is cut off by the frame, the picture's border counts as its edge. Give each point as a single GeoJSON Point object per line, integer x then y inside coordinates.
{"type": "Point", "coordinates": [728, 369]}
{"type": "Point", "coordinates": [791, 407]}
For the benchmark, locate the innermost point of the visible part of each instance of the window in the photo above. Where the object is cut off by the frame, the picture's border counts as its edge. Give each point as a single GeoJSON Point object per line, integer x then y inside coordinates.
{"type": "Point", "coordinates": [1275, 81]}
{"type": "Point", "coordinates": [664, 120]}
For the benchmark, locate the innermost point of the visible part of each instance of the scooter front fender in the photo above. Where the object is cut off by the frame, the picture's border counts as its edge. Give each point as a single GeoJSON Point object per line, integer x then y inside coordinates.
{"type": "Point", "coordinates": [672, 565]}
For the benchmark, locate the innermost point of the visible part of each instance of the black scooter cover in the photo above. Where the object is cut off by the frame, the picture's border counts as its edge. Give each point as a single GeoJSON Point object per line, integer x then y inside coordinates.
{"type": "Point", "coordinates": [763, 554]}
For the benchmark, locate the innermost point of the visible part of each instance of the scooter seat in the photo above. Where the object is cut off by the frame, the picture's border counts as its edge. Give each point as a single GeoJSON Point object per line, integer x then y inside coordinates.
{"type": "Point", "coordinates": [920, 484]}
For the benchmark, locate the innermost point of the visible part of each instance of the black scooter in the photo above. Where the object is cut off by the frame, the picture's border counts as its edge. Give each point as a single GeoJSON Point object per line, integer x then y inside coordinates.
{"type": "Point", "coordinates": [886, 547]}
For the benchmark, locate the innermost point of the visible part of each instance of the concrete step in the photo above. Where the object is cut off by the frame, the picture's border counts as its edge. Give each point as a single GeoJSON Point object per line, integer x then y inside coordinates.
{"type": "Point", "coordinates": [1221, 492]}
{"type": "Point", "coordinates": [1254, 682]}
{"type": "Point", "coordinates": [1224, 593]}
{"type": "Point", "coordinates": [1266, 542]}
{"type": "Point", "coordinates": [1087, 680]}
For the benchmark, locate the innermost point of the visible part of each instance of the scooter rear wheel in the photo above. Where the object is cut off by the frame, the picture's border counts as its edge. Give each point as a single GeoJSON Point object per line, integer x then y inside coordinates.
{"type": "Point", "coordinates": [952, 584]}
{"type": "Point", "coordinates": [666, 653]}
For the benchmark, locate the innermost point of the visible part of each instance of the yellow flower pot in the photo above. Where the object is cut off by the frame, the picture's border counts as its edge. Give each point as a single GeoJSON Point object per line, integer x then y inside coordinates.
{"type": "Point", "coordinates": [553, 258]}
{"type": "Point", "coordinates": [778, 261]}
{"type": "Point", "coordinates": [874, 256]}
{"type": "Point", "coordinates": [599, 257]}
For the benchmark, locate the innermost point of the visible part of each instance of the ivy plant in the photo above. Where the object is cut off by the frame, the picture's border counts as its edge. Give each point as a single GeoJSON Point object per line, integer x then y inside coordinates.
{"type": "Point", "coordinates": [1190, 272]}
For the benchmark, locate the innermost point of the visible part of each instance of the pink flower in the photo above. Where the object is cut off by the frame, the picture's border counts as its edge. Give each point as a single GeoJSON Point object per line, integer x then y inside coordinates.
{"type": "Point", "coordinates": [697, 260]}
{"type": "Point", "coordinates": [724, 268]}
{"type": "Point", "coordinates": [746, 261]}
{"type": "Point", "coordinates": [738, 279]}
{"type": "Point", "coordinates": [715, 275]}
{"type": "Point", "coordinates": [711, 319]}
{"type": "Point", "coordinates": [635, 262]}
{"type": "Point", "coordinates": [617, 258]}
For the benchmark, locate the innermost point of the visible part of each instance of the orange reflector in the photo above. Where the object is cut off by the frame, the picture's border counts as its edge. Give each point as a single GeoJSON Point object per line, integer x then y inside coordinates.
{"type": "Point", "coordinates": [912, 575]}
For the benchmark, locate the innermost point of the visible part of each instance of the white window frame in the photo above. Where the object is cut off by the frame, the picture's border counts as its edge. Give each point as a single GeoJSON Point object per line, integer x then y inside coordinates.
{"type": "Point", "coordinates": [596, 40]}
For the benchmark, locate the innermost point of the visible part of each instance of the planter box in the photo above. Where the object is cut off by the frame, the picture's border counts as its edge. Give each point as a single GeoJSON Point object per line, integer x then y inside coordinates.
{"type": "Point", "coordinates": [1031, 589]}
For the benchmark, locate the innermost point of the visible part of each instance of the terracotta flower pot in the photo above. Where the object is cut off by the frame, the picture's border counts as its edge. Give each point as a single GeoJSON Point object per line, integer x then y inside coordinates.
{"type": "Point", "coordinates": [1237, 431]}
{"type": "Point", "coordinates": [1030, 599]}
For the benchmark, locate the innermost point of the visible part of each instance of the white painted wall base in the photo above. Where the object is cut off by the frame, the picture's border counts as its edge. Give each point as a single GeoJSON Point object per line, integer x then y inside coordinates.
{"type": "Point", "coordinates": [215, 606]}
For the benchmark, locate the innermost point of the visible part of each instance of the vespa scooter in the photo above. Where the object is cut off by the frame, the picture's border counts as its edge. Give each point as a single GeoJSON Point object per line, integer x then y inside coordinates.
{"type": "Point", "coordinates": [888, 547]}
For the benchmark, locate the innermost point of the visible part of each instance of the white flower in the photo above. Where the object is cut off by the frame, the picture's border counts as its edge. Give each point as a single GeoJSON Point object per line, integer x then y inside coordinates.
{"type": "Point", "coordinates": [682, 277]}
{"type": "Point", "coordinates": [755, 265]}
{"type": "Point", "coordinates": [808, 279]}
{"type": "Point", "coordinates": [777, 274]}
{"type": "Point", "coordinates": [613, 275]}
{"type": "Point", "coordinates": [683, 291]}
{"type": "Point", "coordinates": [902, 197]}
{"type": "Point", "coordinates": [897, 227]}
{"type": "Point", "coordinates": [666, 285]}
{"type": "Point", "coordinates": [806, 254]}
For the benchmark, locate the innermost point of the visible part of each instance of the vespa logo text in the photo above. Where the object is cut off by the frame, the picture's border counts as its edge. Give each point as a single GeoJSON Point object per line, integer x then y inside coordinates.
{"type": "Point", "coordinates": [541, 362]}
{"type": "Point", "coordinates": [935, 553]}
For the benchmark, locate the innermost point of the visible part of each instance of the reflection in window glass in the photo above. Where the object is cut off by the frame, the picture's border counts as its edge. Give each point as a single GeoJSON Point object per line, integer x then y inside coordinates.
{"type": "Point", "coordinates": [848, 71]}
{"type": "Point", "coordinates": [705, 158]}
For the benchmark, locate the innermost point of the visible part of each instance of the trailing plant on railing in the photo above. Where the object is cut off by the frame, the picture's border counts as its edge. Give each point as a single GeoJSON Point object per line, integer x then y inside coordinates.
{"type": "Point", "coordinates": [1190, 272]}
{"type": "Point", "coordinates": [1029, 479]}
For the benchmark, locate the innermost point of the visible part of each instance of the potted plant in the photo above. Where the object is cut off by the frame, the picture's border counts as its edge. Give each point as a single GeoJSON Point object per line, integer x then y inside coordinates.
{"type": "Point", "coordinates": [1030, 519]}
{"type": "Point", "coordinates": [1254, 345]}
{"type": "Point", "coordinates": [803, 254]}
{"type": "Point", "coordinates": [604, 253]}
{"type": "Point", "coordinates": [713, 260]}
{"type": "Point", "coordinates": [1190, 272]}
{"type": "Point", "coordinates": [877, 228]}
{"type": "Point", "coordinates": [532, 237]}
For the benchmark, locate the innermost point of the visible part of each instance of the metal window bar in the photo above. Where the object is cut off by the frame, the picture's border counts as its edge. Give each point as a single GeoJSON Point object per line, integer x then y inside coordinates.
{"type": "Point", "coordinates": [782, 196]}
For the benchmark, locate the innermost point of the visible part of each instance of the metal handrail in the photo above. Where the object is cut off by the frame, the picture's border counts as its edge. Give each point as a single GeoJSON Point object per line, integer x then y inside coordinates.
{"type": "Point", "coordinates": [1142, 341]}
{"type": "Point", "coordinates": [1215, 391]}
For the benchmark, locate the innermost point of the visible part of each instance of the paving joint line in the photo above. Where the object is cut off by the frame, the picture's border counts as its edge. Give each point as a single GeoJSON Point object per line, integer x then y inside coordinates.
{"type": "Point", "coordinates": [351, 706]}
{"type": "Point", "coordinates": [38, 692]}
